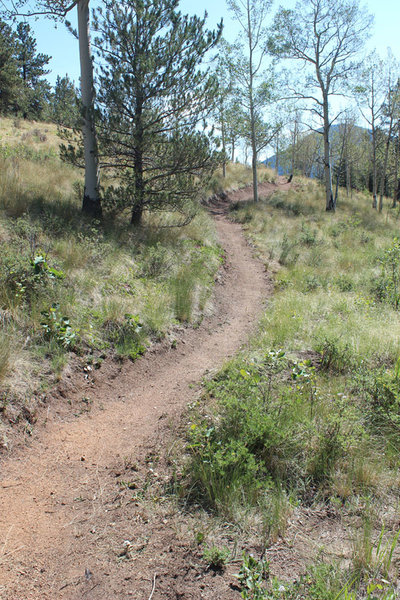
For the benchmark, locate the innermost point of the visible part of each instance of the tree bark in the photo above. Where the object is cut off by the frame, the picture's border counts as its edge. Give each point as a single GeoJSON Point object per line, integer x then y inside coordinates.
{"type": "Point", "coordinates": [91, 199]}
{"type": "Point", "coordinates": [253, 148]}
{"type": "Point", "coordinates": [330, 202]}
{"type": "Point", "coordinates": [374, 169]}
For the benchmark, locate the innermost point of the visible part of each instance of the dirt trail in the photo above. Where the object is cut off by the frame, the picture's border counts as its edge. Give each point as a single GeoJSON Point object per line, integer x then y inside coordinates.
{"type": "Point", "coordinates": [59, 522]}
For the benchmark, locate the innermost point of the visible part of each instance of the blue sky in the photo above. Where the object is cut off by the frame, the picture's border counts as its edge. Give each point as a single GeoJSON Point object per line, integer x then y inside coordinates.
{"type": "Point", "coordinates": [63, 47]}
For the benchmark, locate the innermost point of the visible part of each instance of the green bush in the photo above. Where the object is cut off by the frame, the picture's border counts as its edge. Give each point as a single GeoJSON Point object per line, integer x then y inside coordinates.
{"type": "Point", "coordinates": [58, 327]}
{"type": "Point", "coordinates": [126, 336]}
{"type": "Point", "coordinates": [336, 355]}
{"type": "Point", "coordinates": [267, 431]}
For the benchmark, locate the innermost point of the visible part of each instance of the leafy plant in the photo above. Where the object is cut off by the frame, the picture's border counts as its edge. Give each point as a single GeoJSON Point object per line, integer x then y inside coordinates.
{"type": "Point", "coordinates": [252, 576]}
{"type": "Point", "coordinates": [41, 267]}
{"type": "Point", "coordinates": [58, 327]}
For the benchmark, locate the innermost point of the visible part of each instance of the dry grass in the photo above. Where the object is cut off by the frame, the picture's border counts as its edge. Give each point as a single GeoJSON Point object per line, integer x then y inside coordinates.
{"type": "Point", "coordinates": [34, 134]}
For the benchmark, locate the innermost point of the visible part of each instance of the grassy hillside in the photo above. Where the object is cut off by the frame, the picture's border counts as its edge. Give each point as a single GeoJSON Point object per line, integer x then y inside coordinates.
{"type": "Point", "coordinates": [306, 421]}
{"type": "Point", "coordinates": [71, 288]}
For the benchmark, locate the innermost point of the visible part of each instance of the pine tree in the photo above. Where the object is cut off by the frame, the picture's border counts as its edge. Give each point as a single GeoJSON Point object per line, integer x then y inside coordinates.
{"type": "Point", "coordinates": [65, 108]}
{"type": "Point", "coordinates": [10, 81]}
{"type": "Point", "coordinates": [153, 98]}
{"type": "Point", "coordinates": [31, 64]}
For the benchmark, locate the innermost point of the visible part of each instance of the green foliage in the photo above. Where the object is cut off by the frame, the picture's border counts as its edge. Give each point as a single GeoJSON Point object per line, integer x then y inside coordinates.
{"type": "Point", "coordinates": [31, 64]}
{"type": "Point", "coordinates": [308, 236]}
{"type": "Point", "coordinates": [288, 254]}
{"type": "Point", "coordinates": [10, 82]}
{"type": "Point", "coordinates": [216, 558]}
{"type": "Point", "coordinates": [64, 106]}
{"type": "Point", "coordinates": [381, 389]}
{"type": "Point", "coordinates": [153, 98]}
{"type": "Point", "coordinates": [336, 354]}
{"type": "Point", "coordinates": [267, 436]}
{"type": "Point", "coordinates": [57, 327]}
{"type": "Point", "coordinates": [252, 576]}
{"type": "Point", "coordinates": [126, 336]}
{"type": "Point", "coordinates": [22, 279]}
{"type": "Point", "coordinates": [388, 286]}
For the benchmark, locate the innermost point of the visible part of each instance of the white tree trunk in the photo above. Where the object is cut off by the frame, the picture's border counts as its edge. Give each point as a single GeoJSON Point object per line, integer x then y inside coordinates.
{"type": "Point", "coordinates": [330, 202]}
{"type": "Point", "coordinates": [91, 199]}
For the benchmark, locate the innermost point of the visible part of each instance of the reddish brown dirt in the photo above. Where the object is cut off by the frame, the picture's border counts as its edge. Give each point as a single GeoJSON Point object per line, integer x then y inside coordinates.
{"type": "Point", "coordinates": [65, 512]}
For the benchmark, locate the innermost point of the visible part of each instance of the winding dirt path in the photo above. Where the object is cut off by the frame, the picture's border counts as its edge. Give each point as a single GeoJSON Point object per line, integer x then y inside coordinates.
{"type": "Point", "coordinates": [62, 517]}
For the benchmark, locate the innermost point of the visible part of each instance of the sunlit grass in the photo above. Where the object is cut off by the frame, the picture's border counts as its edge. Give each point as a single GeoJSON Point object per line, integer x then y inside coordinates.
{"type": "Point", "coordinates": [117, 286]}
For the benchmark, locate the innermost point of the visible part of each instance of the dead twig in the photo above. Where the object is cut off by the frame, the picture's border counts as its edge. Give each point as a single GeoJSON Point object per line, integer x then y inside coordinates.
{"type": "Point", "coordinates": [154, 586]}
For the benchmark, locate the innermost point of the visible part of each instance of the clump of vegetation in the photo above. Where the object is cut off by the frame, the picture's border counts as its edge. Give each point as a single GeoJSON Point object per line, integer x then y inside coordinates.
{"type": "Point", "coordinates": [216, 558]}
{"type": "Point", "coordinates": [270, 434]}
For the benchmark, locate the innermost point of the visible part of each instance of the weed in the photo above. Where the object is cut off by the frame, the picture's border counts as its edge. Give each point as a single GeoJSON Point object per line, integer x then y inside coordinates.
{"type": "Point", "coordinates": [126, 336]}
{"type": "Point", "coordinates": [216, 558]}
{"type": "Point", "coordinates": [373, 558]}
{"type": "Point", "coordinates": [287, 255]}
{"type": "Point", "coordinates": [183, 290]}
{"type": "Point", "coordinates": [252, 577]}
{"type": "Point", "coordinates": [307, 236]}
{"type": "Point", "coordinates": [336, 355]}
{"type": "Point", "coordinates": [58, 327]}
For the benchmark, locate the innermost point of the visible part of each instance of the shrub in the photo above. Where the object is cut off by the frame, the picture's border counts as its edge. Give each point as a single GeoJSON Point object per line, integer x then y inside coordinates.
{"type": "Point", "coordinates": [216, 558]}
{"type": "Point", "coordinates": [58, 327]}
{"type": "Point", "coordinates": [336, 355]}
{"type": "Point", "coordinates": [126, 336]}
{"type": "Point", "coordinates": [288, 255]}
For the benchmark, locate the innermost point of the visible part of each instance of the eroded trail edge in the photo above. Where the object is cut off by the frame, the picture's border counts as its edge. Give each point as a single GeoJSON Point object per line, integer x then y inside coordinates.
{"type": "Point", "coordinates": [59, 523]}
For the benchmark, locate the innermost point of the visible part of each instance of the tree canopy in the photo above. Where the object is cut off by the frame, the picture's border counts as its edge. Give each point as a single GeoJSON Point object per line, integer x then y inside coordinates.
{"type": "Point", "coordinates": [154, 96]}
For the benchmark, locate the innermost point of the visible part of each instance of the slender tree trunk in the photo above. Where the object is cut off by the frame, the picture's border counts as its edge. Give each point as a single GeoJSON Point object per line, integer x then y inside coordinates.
{"type": "Point", "coordinates": [385, 162]}
{"type": "Point", "coordinates": [374, 170]}
{"type": "Point", "coordinates": [233, 150]}
{"type": "Point", "coordinates": [277, 154]}
{"type": "Point", "coordinates": [252, 112]}
{"type": "Point", "coordinates": [339, 172]}
{"type": "Point", "coordinates": [91, 199]}
{"type": "Point", "coordinates": [348, 178]}
{"type": "Point", "coordinates": [138, 201]}
{"type": "Point", "coordinates": [396, 167]}
{"type": "Point", "coordinates": [294, 143]}
{"type": "Point", "coordinates": [223, 135]}
{"type": "Point", "coordinates": [330, 202]}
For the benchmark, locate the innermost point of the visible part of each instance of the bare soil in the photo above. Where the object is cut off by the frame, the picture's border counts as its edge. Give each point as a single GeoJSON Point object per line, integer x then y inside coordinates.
{"type": "Point", "coordinates": [72, 524]}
